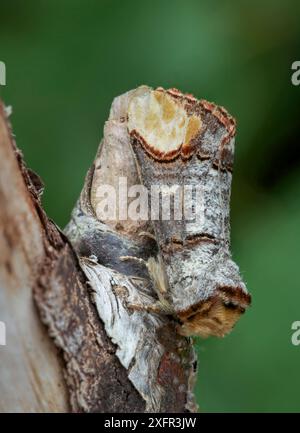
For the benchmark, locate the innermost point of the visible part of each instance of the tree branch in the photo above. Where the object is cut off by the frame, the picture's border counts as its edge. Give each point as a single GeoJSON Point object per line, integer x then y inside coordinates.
{"type": "Point", "coordinates": [31, 375]}
{"type": "Point", "coordinates": [100, 372]}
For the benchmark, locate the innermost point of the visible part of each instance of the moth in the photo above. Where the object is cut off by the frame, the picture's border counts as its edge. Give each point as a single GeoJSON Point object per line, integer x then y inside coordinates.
{"type": "Point", "coordinates": [179, 141]}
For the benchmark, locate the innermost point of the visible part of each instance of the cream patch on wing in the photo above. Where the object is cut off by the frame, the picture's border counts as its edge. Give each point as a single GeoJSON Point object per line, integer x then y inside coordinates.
{"type": "Point", "coordinates": [161, 122]}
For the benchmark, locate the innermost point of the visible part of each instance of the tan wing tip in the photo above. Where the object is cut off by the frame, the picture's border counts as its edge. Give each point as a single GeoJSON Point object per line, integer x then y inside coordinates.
{"type": "Point", "coordinates": [162, 122]}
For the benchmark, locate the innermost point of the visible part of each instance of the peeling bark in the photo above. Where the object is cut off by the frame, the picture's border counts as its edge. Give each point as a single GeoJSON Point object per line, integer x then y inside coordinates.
{"type": "Point", "coordinates": [84, 375]}
{"type": "Point", "coordinates": [87, 373]}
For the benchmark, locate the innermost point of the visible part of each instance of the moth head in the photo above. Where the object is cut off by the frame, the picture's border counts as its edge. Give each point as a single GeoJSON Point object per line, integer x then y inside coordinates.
{"type": "Point", "coordinates": [215, 316]}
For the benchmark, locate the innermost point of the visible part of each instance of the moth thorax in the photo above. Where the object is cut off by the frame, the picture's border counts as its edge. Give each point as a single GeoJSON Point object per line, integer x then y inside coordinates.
{"type": "Point", "coordinates": [217, 315]}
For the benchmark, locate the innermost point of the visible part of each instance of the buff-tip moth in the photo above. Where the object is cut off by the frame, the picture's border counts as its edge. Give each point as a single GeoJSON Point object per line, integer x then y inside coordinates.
{"type": "Point", "coordinates": [178, 140]}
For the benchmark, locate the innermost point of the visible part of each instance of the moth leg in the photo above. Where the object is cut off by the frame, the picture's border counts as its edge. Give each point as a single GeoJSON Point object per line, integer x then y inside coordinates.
{"type": "Point", "coordinates": [156, 308]}
{"type": "Point", "coordinates": [136, 279]}
{"type": "Point", "coordinates": [149, 235]}
{"type": "Point", "coordinates": [137, 259]}
{"type": "Point", "coordinates": [159, 284]}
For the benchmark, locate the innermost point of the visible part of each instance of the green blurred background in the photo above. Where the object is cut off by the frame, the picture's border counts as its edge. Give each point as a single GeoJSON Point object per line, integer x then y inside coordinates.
{"type": "Point", "coordinates": [66, 60]}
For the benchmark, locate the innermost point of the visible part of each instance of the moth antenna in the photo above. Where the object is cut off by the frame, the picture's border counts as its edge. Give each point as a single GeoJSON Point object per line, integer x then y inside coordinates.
{"type": "Point", "coordinates": [158, 307]}
{"type": "Point", "coordinates": [134, 277]}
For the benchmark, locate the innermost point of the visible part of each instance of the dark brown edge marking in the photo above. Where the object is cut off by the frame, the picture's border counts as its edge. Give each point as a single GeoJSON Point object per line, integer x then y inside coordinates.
{"type": "Point", "coordinates": [221, 114]}
{"type": "Point", "coordinates": [235, 295]}
{"type": "Point", "coordinates": [173, 245]}
{"type": "Point", "coordinates": [159, 156]}
{"type": "Point", "coordinates": [186, 154]}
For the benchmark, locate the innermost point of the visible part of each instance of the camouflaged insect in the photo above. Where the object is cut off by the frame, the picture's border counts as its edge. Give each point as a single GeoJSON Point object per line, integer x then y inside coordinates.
{"type": "Point", "coordinates": [179, 140]}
